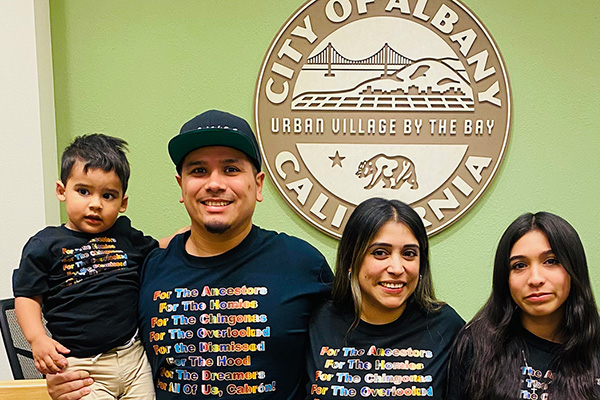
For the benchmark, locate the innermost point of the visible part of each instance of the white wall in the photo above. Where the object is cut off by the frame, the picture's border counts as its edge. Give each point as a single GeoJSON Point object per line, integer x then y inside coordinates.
{"type": "Point", "coordinates": [28, 162]}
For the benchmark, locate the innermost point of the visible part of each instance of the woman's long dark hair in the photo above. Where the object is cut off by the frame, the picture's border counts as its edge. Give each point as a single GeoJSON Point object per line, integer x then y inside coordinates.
{"type": "Point", "coordinates": [497, 351]}
{"type": "Point", "coordinates": [362, 227]}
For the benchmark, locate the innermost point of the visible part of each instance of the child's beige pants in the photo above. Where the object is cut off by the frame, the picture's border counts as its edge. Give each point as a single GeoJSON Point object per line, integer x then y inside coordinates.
{"type": "Point", "coordinates": [121, 373]}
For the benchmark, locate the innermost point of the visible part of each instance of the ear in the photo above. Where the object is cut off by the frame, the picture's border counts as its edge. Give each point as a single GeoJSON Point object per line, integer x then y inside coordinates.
{"type": "Point", "coordinates": [60, 190]}
{"type": "Point", "coordinates": [178, 178]}
{"type": "Point", "coordinates": [260, 179]}
{"type": "Point", "coordinates": [124, 204]}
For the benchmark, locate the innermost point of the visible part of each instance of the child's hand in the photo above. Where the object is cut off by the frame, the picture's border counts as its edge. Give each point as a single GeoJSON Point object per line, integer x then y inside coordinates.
{"type": "Point", "coordinates": [46, 355]}
{"type": "Point", "coordinates": [164, 242]}
{"type": "Point", "coordinates": [182, 229]}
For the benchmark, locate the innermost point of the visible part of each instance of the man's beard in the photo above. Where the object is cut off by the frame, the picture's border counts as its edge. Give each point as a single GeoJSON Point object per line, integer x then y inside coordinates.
{"type": "Point", "coordinates": [217, 228]}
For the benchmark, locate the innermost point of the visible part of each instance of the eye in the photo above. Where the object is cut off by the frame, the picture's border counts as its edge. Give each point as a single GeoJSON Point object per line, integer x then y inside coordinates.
{"type": "Point", "coordinates": [379, 253]}
{"type": "Point", "coordinates": [410, 253]}
{"type": "Point", "coordinates": [198, 171]}
{"type": "Point", "coordinates": [109, 196]}
{"type": "Point", "coordinates": [83, 192]}
{"type": "Point", "coordinates": [231, 169]}
{"type": "Point", "coordinates": [552, 261]}
{"type": "Point", "coordinates": [518, 265]}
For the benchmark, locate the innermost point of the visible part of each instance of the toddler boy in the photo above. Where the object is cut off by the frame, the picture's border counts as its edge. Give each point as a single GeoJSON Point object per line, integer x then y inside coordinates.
{"type": "Point", "coordinates": [84, 276]}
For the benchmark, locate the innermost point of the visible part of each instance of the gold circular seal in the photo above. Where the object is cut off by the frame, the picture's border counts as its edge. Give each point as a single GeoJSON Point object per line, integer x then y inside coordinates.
{"type": "Point", "coordinates": [401, 99]}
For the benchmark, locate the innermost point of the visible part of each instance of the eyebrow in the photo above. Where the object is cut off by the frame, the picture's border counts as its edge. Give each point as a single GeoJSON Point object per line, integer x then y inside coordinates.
{"type": "Point", "coordinates": [230, 161]}
{"type": "Point", "coordinates": [520, 257]}
{"type": "Point", "coordinates": [193, 163]}
{"type": "Point", "coordinates": [415, 246]}
{"type": "Point", "coordinates": [105, 189]}
{"type": "Point", "coordinates": [202, 162]}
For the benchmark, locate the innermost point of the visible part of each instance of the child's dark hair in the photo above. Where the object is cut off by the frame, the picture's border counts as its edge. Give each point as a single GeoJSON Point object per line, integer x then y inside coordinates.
{"type": "Point", "coordinates": [97, 150]}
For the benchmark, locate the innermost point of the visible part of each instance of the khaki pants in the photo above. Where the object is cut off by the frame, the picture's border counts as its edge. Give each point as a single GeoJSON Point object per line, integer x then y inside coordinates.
{"type": "Point", "coordinates": [121, 373]}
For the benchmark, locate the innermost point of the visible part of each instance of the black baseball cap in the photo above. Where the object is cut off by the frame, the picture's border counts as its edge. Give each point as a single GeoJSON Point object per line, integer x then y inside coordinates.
{"type": "Point", "coordinates": [215, 128]}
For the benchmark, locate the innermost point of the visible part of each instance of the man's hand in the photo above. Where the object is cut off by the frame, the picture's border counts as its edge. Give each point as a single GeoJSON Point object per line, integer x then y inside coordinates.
{"type": "Point", "coordinates": [69, 385]}
{"type": "Point", "coordinates": [47, 355]}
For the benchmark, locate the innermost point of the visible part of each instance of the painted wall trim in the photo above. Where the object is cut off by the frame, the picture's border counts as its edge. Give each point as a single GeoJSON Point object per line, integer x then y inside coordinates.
{"type": "Point", "coordinates": [28, 159]}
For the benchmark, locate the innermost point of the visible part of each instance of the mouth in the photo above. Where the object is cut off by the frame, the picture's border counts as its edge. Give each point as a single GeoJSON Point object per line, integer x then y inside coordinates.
{"type": "Point", "coordinates": [393, 285]}
{"type": "Point", "coordinates": [540, 296]}
{"type": "Point", "coordinates": [94, 219]}
{"type": "Point", "coordinates": [216, 203]}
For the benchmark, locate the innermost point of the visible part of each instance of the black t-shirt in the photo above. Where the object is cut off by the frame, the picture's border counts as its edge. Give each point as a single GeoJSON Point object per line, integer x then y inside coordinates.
{"type": "Point", "coordinates": [89, 283]}
{"type": "Point", "coordinates": [536, 374]}
{"type": "Point", "coordinates": [405, 358]}
{"type": "Point", "coordinates": [234, 325]}
{"type": "Point", "coordinates": [535, 367]}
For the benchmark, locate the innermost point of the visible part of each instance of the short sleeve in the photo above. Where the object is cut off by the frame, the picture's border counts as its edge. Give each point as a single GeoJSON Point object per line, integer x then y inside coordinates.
{"type": "Point", "coordinates": [31, 278]}
{"type": "Point", "coordinates": [144, 244]}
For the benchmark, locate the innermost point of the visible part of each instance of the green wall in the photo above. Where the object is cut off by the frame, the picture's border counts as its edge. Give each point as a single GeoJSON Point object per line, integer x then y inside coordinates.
{"type": "Point", "coordinates": [138, 69]}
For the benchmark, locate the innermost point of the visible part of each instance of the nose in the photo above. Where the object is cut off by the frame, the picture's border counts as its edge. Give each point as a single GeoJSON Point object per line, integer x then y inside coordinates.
{"type": "Point", "coordinates": [215, 182]}
{"type": "Point", "coordinates": [395, 265]}
{"type": "Point", "coordinates": [95, 203]}
{"type": "Point", "coordinates": [536, 276]}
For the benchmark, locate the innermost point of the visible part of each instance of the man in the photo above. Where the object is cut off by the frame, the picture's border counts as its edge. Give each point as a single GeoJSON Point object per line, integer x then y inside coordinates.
{"type": "Point", "coordinates": [224, 309]}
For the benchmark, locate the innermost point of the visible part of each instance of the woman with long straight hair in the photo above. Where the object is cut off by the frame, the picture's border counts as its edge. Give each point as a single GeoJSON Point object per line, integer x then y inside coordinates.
{"type": "Point", "coordinates": [538, 335]}
{"type": "Point", "coordinates": [384, 334]}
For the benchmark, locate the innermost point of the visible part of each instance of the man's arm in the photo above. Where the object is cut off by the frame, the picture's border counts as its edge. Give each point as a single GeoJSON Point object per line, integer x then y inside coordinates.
{"type": "Point", "coordinates": [69, 385]}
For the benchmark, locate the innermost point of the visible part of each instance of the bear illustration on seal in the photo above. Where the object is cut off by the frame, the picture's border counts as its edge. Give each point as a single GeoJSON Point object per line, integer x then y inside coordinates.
{"type": "Point", "coordinates": [392, 170]}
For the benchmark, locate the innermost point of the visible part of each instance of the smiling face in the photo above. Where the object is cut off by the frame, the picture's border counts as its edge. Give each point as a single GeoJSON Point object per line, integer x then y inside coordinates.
{"type": "Point", "coordinates": [93, 199]}
{"type": "Point", "coordinates": [389, 273]}
{"type": "Point", "coordinates": [538, 283]}
{"type": "Point", "coordinates": [220, 190]}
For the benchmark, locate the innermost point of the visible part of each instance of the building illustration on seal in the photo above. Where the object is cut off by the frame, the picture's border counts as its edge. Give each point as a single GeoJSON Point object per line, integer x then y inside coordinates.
{"type": "Point", "coordinates": [396, 99]}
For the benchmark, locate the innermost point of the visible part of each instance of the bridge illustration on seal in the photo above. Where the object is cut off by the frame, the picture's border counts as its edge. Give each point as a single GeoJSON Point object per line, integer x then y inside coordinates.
{"type": "Point", "coordinates": [387, 81]}
{"type": "Point", "coordinates": [386, 56]}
